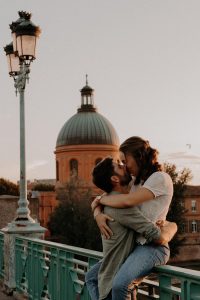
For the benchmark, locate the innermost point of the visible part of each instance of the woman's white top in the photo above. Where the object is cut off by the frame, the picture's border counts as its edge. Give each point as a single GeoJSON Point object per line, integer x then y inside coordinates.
{"type": "Point", "coordinates": [161, 185]}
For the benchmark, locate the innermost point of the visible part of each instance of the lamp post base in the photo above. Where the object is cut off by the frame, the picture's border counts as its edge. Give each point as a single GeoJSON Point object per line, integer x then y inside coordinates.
{"type": "Point", "coordinates": [23, 227]}
{"type": "Point", "coordinates": [13, 229]}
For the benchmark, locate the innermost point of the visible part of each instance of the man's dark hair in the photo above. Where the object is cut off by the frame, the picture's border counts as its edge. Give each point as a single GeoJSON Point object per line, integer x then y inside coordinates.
{"type": "Point", "coordinates": [102, 174]}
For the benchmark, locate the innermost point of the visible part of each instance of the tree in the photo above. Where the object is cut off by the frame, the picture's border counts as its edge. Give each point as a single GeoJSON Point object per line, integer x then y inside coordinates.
{"type": "Point", "coordinates": [72, 222]}
{"type": "Point", "coordinates": [44, 187]}
{"type": "Point", "coordinates": [177, 210]}
{"type": "Point", "coordinates": [8, 188]}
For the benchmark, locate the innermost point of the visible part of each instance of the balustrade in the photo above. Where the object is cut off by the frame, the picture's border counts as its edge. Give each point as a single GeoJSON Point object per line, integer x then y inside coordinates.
{"type": "Point", "coordinates": [47, 270]}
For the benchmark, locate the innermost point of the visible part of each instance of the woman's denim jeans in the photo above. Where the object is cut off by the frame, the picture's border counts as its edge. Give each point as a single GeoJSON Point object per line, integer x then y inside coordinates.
{"type": "Point", "coordinates": [139, 264]}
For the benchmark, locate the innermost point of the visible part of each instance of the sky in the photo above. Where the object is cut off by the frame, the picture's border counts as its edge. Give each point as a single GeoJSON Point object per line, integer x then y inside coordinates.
{"type": "Point", "coordinates": [142, 59]}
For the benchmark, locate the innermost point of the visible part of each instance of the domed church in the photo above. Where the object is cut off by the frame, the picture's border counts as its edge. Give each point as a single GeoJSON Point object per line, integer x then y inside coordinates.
{"type": "Point", "coordinates": [84, 140]}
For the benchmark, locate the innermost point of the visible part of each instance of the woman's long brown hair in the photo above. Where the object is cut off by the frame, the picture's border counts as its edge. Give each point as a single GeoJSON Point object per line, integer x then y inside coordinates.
{"type": "Point", "coordinates": [145, 156]}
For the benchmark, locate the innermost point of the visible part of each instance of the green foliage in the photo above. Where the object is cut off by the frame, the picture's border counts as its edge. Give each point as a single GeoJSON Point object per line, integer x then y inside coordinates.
{"type": "Point", "coordinates": [177, 210]}
{"type": "Point", "coordinates": [44, 187]}
{"type": "Point", "coordinates": [8, 188]}
{"type": "Point", "coordinates": [72, 222]}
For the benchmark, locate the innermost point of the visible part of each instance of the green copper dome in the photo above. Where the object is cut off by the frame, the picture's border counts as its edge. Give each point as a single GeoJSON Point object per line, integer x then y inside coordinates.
{"type": "Point", "coordinates": [87, 126]}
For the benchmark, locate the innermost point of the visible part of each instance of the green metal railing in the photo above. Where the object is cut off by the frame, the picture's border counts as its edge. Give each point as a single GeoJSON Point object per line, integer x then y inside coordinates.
{"type": "Point", "coordinates": [188, 282]}
{"type": "Point", "coordinates": [173, 283]}
{"type": "Point", "coordinates": [47, 270]}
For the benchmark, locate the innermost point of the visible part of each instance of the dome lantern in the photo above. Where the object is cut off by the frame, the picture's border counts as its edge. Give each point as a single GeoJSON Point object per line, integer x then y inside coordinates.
{"type": "Point", "coordinates": [87, 98]}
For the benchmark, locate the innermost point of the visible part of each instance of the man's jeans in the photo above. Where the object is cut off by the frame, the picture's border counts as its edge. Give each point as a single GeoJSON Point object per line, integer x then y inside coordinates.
{"type": "Point", "coordinates": [91, 280]}
{"type": "Point", "coordinates": [138, 264]}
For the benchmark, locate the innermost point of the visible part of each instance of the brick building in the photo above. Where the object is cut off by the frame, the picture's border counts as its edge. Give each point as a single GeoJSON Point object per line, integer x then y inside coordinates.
{"type": "Point", "coordinates": [191, 249]}
{"type": "Point", "coordinates": [9, 206]}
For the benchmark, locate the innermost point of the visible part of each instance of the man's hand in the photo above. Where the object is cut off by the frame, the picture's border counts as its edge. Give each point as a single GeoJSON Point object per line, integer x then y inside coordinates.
{"type": "Point", "coordinates": [101, 220]}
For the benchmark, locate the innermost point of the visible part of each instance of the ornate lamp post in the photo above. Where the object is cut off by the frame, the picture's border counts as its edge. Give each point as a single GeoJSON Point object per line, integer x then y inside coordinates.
{"type": "Point", "coordinates": [20, 53]}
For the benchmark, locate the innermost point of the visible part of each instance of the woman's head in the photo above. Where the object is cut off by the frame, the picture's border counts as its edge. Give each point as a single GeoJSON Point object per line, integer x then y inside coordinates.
{"type": "Point", "coordinates": [141, 159]}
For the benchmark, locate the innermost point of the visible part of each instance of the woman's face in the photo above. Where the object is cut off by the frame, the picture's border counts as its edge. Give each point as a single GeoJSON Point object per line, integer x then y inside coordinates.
{"type": "Point", "coordinates": [130, 163]}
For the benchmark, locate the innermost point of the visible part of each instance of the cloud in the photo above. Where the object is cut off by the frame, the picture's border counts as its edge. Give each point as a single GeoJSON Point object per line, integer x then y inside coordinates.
{"type": "Point", "coordinates": [182, 157]}
{"type": "Point", "coordinates": [36, 164]}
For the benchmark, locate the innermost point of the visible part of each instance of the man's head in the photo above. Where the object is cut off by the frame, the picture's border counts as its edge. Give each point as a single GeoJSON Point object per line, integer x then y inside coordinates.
{"type": "Point", "coordinates": [108, 174]}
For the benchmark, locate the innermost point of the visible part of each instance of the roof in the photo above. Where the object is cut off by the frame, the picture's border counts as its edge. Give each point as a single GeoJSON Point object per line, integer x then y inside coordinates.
{"type": "Point", "coordinates": [192, 190]}
{"type": "Point", "coordinates": [87, 127]}
{"type": "Point", "coordinates": [8, 197]}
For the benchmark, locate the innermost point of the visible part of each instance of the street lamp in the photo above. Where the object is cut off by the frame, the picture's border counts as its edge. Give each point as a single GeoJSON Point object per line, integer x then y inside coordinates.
{"type": "Point", "coordinates": [20, 53]}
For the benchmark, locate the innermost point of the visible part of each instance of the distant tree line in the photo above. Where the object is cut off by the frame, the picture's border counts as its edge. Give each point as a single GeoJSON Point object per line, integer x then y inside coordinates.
{"type": "Point", "coordinates": [42, 187]}
{"type": "Point", "coordinates": [8, 188]}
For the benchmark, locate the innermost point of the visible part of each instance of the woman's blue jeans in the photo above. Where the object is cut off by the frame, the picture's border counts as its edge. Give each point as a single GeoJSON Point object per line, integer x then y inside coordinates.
{"type": "Point", "coordinates": [138, 264]}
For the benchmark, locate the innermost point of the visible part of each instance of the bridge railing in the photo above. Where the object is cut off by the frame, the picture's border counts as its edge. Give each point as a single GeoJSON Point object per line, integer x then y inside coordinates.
{"type": "Point", "coordinates": [47, 270]}
{"type": "Point", "coordinates": [172, 283]}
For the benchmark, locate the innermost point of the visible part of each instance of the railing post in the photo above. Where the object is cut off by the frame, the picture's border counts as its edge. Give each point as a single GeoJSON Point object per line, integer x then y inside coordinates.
{"type": "Point", "coordinates": [164, 283]}
{"type": "Point", "coordinates": [9, 253]}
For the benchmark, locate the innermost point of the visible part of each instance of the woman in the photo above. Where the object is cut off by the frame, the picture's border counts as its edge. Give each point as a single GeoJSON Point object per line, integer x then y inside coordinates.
{"type": "Point", "coordinates": [152, 191]}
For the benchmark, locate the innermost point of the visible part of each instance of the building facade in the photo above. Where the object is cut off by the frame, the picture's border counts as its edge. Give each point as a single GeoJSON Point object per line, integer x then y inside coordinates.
{"type": "Point", "coordinates": [190, 250]}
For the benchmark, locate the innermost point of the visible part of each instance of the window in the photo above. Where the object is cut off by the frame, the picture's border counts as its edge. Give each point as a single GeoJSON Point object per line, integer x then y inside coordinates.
{"type": "Point", "coordinates": [182, 202]}
{"type": "Point", "coordinates": [193, 206]}
{"type": "Point", "coordinates": [194, 226]}
{"type": "Point", "coordinates": [57, 170]}
{"type": "Point", "coordinates": [183, 227]}
{"type": "Point", "coordinates": [73, 167]}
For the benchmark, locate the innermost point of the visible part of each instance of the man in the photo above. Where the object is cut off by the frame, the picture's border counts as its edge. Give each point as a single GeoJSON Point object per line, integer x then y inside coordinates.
{"type": "Point", "coordinates": [112, 177]}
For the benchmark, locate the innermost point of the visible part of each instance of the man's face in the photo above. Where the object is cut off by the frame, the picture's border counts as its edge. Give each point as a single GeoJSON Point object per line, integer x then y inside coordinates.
{"type": "Point", "coordinates": [121, 171]}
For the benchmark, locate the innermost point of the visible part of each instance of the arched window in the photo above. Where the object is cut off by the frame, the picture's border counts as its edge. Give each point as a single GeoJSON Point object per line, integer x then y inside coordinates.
{"type": "Point", "coordinates": [194, 226]}
{"type": "Point", "coordinates": [57, 170]}
{"type": "Point", "coordinates": [73, 167]}
{"type": "Point", "coordinates": [183, 228]}
{"type": "Point", "coordinates": [193, 205]}
{"type": "Point", "coordinates": [97, 160]}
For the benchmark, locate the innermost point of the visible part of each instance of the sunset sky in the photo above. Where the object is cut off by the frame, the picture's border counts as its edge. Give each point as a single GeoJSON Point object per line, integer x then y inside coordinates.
{"type": "Point", "coordinates": [142, 58]}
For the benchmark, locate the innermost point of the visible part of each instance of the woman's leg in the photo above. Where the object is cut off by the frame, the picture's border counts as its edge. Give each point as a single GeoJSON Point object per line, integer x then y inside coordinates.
{"type": "Point", "coordinates": [91, 280]}
{"type": "Point", "coordinates": [139, 264]}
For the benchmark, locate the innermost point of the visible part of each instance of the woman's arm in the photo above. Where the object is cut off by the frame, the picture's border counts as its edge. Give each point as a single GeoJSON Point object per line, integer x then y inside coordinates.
{"type": "Point", "coordinates": [101, 220]}
{"type": "Point", "coordinates": [127, 200]}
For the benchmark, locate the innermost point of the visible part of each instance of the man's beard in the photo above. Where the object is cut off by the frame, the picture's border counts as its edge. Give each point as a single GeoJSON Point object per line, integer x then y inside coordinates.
{"type": "Point", "coordinates": [124, 180]}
